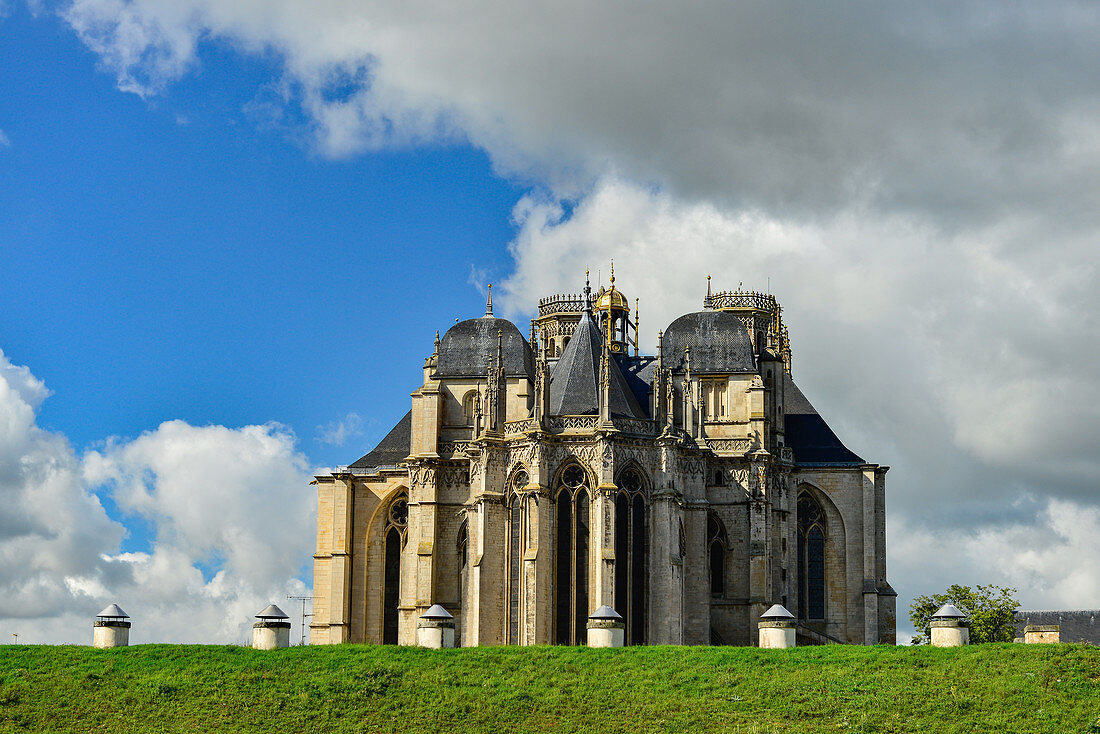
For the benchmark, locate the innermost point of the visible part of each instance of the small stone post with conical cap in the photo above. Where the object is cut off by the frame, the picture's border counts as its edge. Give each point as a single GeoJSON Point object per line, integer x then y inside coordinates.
{"type": "Point", "coordinates": [950, 627]}
{"type": "Point", "coordinates": [112, 628]}
{"type": "Point", "coordinates": [777, 628]}
{"type": "Point", "coordinates": [271, 629]}
{"type": "Point", "coordinates": [606, 628]}
{"type": "Point", "coordinates": [436, 628]}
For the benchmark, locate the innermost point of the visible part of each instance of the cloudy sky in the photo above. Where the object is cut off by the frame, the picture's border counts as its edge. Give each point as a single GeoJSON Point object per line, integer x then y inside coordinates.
{"type": "Point", "coordinates": [230, 230]}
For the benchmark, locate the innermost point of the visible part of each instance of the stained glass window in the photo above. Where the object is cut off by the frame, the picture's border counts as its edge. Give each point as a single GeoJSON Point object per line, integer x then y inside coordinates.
{"type": "Point", "coordinates": [811, 558]}
{"type": "Point", "coordinates": [397, 519]}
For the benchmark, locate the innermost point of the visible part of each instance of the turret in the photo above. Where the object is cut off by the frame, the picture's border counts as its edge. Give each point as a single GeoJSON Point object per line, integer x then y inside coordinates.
{"type": "Point", "coordinates": [762, 316]}
{"type": "Point", "coordinates": [613, 316]}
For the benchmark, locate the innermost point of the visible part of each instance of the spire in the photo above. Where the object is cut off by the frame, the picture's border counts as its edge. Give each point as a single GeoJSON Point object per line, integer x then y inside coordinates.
{"type": "Point", "coordinates": [489, 302]}
{"type": "Point", "coordinates": [612, 275]}
{"type": "Point", "coordinates": [577, 382]}
{"type": "Point", "coordinates": [437, 342]}
{"type": "Point", "coordinates": [707, 300]}
{"type": "Point", "coordinates": [636, 330]}
{"type": "Point", "coordinates": [587, 293]}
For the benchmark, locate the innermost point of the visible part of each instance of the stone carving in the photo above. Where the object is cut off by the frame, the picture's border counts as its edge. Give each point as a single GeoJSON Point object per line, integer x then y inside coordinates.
{"type": "Point", "coordinates": [505, 578]}
{"type": "Point", "coordinates": [453, 449]}
{"type": "Point", "coordinates": [729, 446]}
{"type": "Point", "coordinates": [635, 426]}
{"type": "Point", "coordinates": [573, 423]}
{"type": "Point", "coordinates": [522, 426]}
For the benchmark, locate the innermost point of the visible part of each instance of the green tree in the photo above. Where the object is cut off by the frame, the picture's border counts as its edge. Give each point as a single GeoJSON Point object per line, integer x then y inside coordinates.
{"type": "Point", "coordinates": [991, 610]}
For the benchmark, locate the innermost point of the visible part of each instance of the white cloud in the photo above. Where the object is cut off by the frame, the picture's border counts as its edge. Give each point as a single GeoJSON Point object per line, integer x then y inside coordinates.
{"type": "Point", "coordinates": [961, 110]}
{"type": "Point", "coordinates": [5, 141]}
{"type": "Point", "coordinates": [974, 376]}
{"type": "Point", "coordinates": [336, 433]}
{"type": "Point", "coordinates": [917, 180]}
{"type": "Point", "coordinates": [233, 501]}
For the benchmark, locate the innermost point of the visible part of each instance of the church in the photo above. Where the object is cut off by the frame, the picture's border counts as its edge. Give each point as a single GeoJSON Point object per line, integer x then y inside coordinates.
{"type": "Point", "coordinates": [537, 478]}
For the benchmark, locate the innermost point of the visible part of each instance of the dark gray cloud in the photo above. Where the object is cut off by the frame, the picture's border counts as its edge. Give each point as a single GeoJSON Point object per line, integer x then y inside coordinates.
{"type": "Point", "coordinates": [917, 180]}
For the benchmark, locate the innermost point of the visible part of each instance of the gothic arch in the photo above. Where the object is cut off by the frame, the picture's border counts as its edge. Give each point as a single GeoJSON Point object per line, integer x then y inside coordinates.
{"type": "Point", "coordinates": [820, 559]}
{"type": "Point", "coordinates": [469, 407]}
{"type": "Point", "coordinates": [572, 521]}
{"type": "Point", "coordinates": [516, 505]}
{"type": "Point", "coordinates": [717, 553]}
{"type": "Point", "coordinates": [632, 550]}
{"type": "Point", "coordinates": [392, 519]}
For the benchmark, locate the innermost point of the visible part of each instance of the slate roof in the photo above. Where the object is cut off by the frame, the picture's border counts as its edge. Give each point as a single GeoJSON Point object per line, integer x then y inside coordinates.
{"type": "Point", "coordinates": [390, 450]}
{"type": "Point", "coordinates": [575, 380]}
{"type": "Point", "coordinates": [719, 344]}
{"type": "Point", "coordinates": [468, 347]}
{"type": "Point", "coordinates": [807, 433]}
{"type": "Point", "coordinates": [1076, 626]}
{"type": "Point", "coordinates": [639, 373]}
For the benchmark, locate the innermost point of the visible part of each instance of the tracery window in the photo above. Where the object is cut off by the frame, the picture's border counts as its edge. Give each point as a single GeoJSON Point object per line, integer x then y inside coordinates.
{"type": "Point", "coordinates": [393, 538]}
{"type": "Point", "coordinates": [714, 397]}
{"type": "Point", "coordinates": [516, 534]}
{"type": "Point", "coordinates": [463, 548]}
{"type": "Point", "coordinates": [463, 545]}
{"type": "Point", "coordinates": [469, 407]}
{"type": "Point", "coordinates": [717, 545]}
{"type": "Point", "coordinates": [811, 558]}
{"type": "Point", "coordinates": [631, 543]}
{"type": "Point", "coordinates": [572, 504]}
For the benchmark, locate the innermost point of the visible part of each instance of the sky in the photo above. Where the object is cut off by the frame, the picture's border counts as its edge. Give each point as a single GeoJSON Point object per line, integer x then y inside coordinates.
{"type": "Point", "coordinates": [230, 231]}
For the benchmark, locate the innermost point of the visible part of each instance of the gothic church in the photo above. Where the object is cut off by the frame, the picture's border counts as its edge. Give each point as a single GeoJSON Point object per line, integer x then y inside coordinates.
{"type": "Point", "coordinates": [536, 479]}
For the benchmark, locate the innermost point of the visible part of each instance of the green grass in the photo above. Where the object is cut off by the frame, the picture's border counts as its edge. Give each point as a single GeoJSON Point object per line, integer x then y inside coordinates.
{"type": "Point", "coordinates": [351, 688]}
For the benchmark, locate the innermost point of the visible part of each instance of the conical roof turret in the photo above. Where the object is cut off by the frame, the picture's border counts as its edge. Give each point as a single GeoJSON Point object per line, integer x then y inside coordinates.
{"type": "Point", "coordinates": [575, 381]}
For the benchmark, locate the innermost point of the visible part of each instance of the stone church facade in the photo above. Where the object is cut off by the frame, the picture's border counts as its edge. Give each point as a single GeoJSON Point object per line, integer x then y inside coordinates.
{"type": "Point", "coordinates": [536, 479]}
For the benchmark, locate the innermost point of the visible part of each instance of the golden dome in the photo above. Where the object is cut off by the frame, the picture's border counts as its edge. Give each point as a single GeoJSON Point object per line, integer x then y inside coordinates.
{"type": "Point", "coordinates": [612, 299]}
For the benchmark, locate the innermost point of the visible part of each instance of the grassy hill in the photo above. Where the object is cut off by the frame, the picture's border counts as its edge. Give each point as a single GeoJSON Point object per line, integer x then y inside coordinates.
{"type": "Point", "coordinates": [351, 688]}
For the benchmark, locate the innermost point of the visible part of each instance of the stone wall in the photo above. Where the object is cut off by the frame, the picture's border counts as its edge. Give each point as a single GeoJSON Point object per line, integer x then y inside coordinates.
{"type": "Point", "coordinates": [1075, 626]}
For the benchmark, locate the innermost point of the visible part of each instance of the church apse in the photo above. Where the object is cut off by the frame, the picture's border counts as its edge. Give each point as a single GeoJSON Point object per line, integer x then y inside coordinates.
{"type": "Point", "coordinates": [537, 478]}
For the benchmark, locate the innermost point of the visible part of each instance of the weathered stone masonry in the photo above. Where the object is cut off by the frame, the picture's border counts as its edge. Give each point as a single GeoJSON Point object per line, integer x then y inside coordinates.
{"type": "Point", "coordinates": [537, 479]}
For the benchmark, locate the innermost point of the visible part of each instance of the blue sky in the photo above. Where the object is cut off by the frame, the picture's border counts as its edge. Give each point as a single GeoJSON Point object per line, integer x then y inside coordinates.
{"type": "Point", "coordinates": [230, 231]}
{"type": "Point", "coordinates": [173, 258]}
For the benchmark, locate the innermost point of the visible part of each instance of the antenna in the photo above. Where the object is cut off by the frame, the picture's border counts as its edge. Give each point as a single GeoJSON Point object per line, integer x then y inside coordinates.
{"type": "Point", "coordinates": [302, 599]}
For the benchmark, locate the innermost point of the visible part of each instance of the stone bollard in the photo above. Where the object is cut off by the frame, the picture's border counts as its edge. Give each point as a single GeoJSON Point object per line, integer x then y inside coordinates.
{"type": "Point", "coordinates": [949, 627]}
{"type": "Point", "coordinates": [606, 628]}
{"type": "Point", "coordinates": [777, 628]}
{"type": "Point", "coordinates": [271, 629]}
{"type": "Point", "coordinates": [111, 628]}
{"type": "Point", "coordinates": [1042, 633]}
{"type": "Point", "coordinates": [436, 629]}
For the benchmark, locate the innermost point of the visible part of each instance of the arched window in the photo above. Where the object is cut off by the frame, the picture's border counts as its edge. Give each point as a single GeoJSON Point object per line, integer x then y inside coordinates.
{"type": "Point", "coordinates": [811, 558]}
{"type": "Point", "coordinates": [631, 541]}
{"type": "Point", "coordinates": [463, 545]}
{"type": "Point", "coordinates": [571, 567]}
{"type": "Point", "coordinates": [717, 545]}
{"type": "Point", "coordinates": [469, 407]}
{"type": "Point", "coordinates": [515, 552]}
{"type": "Point", "coordinates": [393, 538]}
